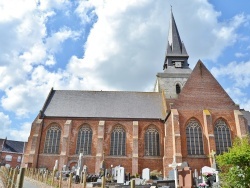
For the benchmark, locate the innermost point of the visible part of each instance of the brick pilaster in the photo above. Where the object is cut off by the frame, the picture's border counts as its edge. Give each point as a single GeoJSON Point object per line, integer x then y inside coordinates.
{"type": "Point", "coordinates": [65, 144]}
{"type": "Point", "coordinates": [99, 149]}
{"type": "Point", "coordinates": [209, 134]}
{"type": "Point", "coordinates": [32, 152]}
{"type": "Point", "coordinates": [135, 148]}
{"type": "Point", "coordinates": [241, 127]}
{"type": "Point", "coordinates": [172, 142]}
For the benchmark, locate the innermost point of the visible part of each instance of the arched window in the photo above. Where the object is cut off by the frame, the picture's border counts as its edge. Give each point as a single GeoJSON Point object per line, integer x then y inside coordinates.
{"type": "Point", "coordinates": [118, 141]}
{"type": "Point", "coordinates": [152, 146]}
{"type": "Point", "coordinates": [52, 140]}
{"type": "Point", "coordinates": [84, 140]}
{"type": "Point", "coordinates": [222, 136]}
{"type": "Point", "coordinates": [178, 88]}
{"type": "Point", "coordinates": [194, 138]}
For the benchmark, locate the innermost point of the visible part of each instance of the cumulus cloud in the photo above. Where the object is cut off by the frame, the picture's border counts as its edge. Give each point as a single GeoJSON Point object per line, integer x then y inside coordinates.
{"type": "Point", "coordinates": [239, 72]}
{"type": "Point", "coordinates": [5, 123]}
{"type": "Point", "coordinates": [22, 133]}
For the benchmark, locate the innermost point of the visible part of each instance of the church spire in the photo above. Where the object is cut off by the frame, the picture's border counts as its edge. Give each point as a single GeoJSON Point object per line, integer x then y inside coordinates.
{"type": "Point", "coordinates": [176, 54]}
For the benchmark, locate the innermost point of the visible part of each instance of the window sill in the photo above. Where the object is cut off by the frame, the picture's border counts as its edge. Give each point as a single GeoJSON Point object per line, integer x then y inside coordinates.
{"type": "Point", "coordinates": [198, 156]}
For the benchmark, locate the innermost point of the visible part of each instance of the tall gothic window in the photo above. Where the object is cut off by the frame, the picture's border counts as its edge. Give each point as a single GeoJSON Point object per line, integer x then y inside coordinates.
{"type": "Point", "coordinates": [84, 140]}
{"type": "Point", "coordinates": [118, 141]}
{"type": "Point", "coordinates": [194, 138]}
{"type": "Point", "coordinates": [178, 88]}
{"type": "Point", "coordinates": [222, 136]}
{"type": "Point", "coordinates": [152, 146]}
{"type": "Point", "coordinates": [52, 140]}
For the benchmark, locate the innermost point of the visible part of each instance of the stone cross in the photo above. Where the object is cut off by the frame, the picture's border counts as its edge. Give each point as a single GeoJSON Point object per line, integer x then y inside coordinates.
{"type": "Point", "coordinates": [212, 154]}
{"type": "Point", "coordinates": [174, 165]}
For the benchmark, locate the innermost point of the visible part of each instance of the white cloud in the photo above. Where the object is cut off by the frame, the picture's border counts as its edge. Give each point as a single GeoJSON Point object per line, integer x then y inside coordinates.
{"type": "Point", "coordinates": [5, 123]}
{"type": "Point", "coordinates": [53, 4]}
{"type": "Point", "coordinates": [239, 72]}
{"type": "Point", "coordinates": [15, 9]}
{"type": "Point", "coordinates": [54, 42]}
{"type": "Point", "coordinates": [22, 133]}
{"type": "Point", "coordinates": [7, 130]}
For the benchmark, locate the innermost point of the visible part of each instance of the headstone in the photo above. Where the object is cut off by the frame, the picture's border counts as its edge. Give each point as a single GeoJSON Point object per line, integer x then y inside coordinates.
{"type": "Point", "coordinates": [64, 168]}
{"type": "Point", "coordinates": [146, 174]}
{"type": "Point", "coordinates": [185, 177]}
{"type": "Point", "coordinates": [79, 165]}
{"type": "Point", "coordinates": [56, 165]}
{"type": "Point", "coordinates": [121, 175]}
{"type": "Point", "coordinates": [171, 175]}
{"type": "Point", "coordinates": [85, 169]}
{"type": "Point", "coordinates": [138, 181]}
{"type": "Point", "coordinates": [174, 165]}
{"type": "Point", "coordinates": [114, 172]}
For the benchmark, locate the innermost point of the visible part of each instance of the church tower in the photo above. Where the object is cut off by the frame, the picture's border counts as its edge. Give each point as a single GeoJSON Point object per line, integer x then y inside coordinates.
{"type": "Point", "coordinates": [176, 67]}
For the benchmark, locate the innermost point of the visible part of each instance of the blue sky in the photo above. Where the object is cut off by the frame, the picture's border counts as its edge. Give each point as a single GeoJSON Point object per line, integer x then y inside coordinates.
{"type": "Point", "coordinates": [111, 45]}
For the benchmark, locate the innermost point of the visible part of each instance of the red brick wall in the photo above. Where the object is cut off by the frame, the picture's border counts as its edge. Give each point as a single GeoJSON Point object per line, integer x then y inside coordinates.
{"type": "Point", "coordinates": [48, 161]}
{"type": "Point", "coordinates": [13, 163]}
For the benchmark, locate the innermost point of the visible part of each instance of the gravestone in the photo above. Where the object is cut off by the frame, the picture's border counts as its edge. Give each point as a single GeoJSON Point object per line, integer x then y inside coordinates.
{"type": "Point", "coordinates": [146, 174]}
{"type": "Point", "coordinates": [121, 175]}
{"type": "Point", "coordinates": [64, 168]}
{"type": "Point", "coordinates": [138, 181]}
{"type": "Point", "coordinates": [56, 165]}
{"type": "Point", "coordinates": [114, 172]}
{"type": "Point", "coordinates": [171, 175]}
{"type": "Point", "coordinates": [79, 165]}
{"type": "Point", "coordinates": [185, 177]}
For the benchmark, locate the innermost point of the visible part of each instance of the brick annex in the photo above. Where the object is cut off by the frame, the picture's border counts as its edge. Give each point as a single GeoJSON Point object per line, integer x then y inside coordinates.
{"type": "Point", "coordinates": [187, 116]}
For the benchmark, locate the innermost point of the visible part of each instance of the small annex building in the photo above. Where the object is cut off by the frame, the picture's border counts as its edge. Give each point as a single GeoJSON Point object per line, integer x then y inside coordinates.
{"type": "Point", "coordinates": [11, 152]}
{"type": "Point", "coordinates": [187, 116]}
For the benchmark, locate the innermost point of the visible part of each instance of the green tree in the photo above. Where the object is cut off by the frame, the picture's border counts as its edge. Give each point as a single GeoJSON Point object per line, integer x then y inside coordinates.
{"type": "Point", "coordinates": [235, 164]}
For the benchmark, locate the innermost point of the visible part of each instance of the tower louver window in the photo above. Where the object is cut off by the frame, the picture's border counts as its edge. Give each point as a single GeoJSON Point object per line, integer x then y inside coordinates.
{"type": "Point", "coordinates": [178, 88]}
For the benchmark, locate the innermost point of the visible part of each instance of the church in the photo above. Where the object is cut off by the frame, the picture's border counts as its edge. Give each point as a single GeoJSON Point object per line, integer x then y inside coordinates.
{"type": "Point", "coordinates": [185, 118]}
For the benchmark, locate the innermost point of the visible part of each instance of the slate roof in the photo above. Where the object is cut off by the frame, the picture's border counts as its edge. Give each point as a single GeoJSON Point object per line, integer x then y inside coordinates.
{"type": "Point", "coordinates": [175, 45]}
{"type": "Point", "coordinates": [104, 104]}
{"type": "Point", "coordinates": [12, 146]}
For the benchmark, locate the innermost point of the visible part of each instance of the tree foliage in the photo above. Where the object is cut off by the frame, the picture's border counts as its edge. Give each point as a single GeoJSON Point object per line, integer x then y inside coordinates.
{"type": "Point", "coordinates": [235, 164]}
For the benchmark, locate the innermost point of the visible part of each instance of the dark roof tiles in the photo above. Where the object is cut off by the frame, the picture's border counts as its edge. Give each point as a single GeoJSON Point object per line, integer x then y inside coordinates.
{"type": "Point", "coordinates": [12, 146]}
{"type": "Point", "coordinates": [104, 104]}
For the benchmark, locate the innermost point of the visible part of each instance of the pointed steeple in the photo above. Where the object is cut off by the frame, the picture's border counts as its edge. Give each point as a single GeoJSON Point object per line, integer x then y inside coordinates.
{"type": "Point", "coordinates": [176, 54]}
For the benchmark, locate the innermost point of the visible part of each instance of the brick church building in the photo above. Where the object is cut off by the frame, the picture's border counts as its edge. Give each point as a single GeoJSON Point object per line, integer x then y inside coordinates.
{"type": "Point", "coordinates": [187, 116]}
